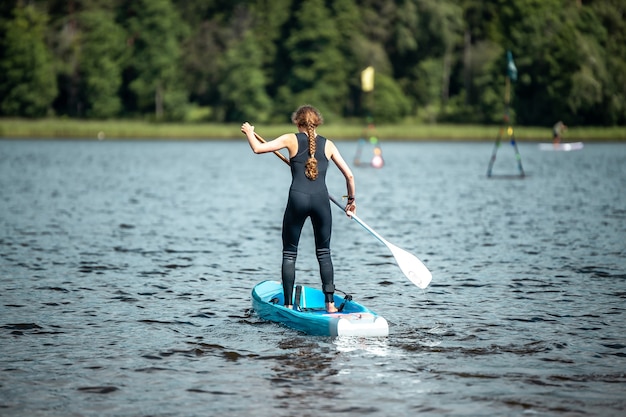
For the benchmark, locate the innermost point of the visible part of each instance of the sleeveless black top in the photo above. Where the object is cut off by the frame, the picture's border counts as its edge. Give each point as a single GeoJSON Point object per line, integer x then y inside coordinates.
{"type": "Point", "coordinates": [299, 181]}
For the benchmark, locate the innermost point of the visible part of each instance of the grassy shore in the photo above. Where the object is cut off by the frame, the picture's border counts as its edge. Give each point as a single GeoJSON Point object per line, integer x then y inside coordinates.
{"type": "Point", "coordinates": [127, 129]}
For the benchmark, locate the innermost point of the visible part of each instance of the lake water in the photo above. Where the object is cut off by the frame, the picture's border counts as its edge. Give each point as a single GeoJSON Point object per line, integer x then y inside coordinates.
{"type": "Point", "coordinates": [126, 270]}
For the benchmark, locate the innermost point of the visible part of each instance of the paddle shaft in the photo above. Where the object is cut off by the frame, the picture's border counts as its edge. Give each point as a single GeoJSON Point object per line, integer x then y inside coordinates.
{"type": "Point", "coordinates": [362, 223]}
{"type": "Point", "coordinates": [278, 154]}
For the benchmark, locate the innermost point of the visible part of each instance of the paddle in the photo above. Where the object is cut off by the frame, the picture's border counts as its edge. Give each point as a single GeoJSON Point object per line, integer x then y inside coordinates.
{"type": "Point", "coordinates": [409, 264]}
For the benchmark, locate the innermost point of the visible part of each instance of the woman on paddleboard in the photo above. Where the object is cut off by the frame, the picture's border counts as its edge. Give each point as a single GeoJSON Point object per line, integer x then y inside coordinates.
{"type": "Point", "coordinates": [309, 154]}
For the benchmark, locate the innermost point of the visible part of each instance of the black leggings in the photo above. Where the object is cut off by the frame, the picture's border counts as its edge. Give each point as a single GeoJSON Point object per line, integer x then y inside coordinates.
{"type": "Point", "coordinates": [299, 207]}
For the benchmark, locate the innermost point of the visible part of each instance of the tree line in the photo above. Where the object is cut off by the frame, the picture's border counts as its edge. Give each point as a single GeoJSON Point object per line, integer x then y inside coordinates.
{"type": "Point", "coordinates": [235, 60]}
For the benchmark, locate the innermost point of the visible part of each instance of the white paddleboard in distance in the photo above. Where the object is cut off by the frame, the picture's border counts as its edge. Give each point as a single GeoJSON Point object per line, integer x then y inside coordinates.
{"type": "Point", "coordinates": [572, 146]}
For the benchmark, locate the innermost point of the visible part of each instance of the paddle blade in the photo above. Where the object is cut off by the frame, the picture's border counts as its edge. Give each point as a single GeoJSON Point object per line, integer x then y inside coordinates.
{"type": "Point", "coordinates": [411, 266]}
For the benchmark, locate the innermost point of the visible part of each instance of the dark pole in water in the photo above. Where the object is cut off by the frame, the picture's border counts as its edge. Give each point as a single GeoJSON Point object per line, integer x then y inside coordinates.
{"type": "Point", "coordinates": [510, 76]}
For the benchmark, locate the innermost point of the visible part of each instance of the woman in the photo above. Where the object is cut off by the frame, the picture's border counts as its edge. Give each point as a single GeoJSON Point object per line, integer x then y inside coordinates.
{"type": "Point", "coordinates": [309, 154]}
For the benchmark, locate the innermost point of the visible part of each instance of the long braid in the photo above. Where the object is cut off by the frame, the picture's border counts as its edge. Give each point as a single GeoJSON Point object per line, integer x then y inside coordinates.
{"type": "Point", "coordinates": [311, 163]}
{"type": "Point", "coordinates": [309, 118]}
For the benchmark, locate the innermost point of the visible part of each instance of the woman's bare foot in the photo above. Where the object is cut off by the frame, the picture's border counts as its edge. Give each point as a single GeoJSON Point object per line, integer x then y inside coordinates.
{"type": "Point", "coordinates": [330, 308]}
{"type": "Point", "coordinates": [290, 307]}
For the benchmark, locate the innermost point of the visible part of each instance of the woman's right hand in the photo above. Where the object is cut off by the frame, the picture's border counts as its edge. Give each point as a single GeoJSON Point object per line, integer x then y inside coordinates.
{"type": "Point", "coordinates": [247, 128]}
{"type": "Point", "coordinates": [350, 208]}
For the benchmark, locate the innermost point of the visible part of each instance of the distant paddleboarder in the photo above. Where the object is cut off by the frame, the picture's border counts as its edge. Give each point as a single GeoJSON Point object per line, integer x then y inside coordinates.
{"type": "Point", "coordinates": [309, 154]}
{"type": "Point", "coordinates": [557, 130]}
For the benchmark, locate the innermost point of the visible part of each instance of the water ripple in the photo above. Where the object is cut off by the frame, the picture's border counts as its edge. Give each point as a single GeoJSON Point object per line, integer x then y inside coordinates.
{"type": "Point", "coordinates": [127, 269]}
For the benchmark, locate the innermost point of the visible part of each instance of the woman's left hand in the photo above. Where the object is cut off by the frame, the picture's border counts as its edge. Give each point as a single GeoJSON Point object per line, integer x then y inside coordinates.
{"type": "Point", "coordinates": [350, 209]}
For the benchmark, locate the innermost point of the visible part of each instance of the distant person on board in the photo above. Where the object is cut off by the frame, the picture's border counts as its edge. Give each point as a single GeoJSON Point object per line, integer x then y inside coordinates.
{"type": "Point", "coordinates": [309, 154]}
{"type": "Point", "coordinates": [558, 128]}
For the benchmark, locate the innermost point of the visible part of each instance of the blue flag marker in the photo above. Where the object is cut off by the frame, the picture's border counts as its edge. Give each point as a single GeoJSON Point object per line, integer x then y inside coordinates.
{"type": "Point", "coordinates": [510, 67]}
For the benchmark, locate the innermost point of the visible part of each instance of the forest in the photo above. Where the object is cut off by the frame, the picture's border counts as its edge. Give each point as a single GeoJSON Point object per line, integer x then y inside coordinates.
{"type": "Point", "coordinates": [434, 61]}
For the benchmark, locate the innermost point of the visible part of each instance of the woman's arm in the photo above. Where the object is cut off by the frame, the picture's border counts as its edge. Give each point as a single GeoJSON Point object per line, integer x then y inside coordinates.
{"type": "Point", "coordinates": [333, 154]}
{"type": "Point", "coordinates": [283, 141]}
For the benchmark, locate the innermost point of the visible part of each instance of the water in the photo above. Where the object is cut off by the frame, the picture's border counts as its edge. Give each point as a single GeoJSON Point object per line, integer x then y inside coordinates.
{"type": "Point", "coordinates": [126, 270]}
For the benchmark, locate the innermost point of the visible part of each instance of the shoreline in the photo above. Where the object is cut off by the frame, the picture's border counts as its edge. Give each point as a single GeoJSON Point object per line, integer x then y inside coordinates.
{"type": "Point", "coordinates": [144, 130]}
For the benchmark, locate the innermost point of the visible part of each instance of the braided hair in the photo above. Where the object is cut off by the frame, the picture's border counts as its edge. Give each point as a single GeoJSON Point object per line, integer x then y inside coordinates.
{"type": "Point", "coordinates": [308, 118]}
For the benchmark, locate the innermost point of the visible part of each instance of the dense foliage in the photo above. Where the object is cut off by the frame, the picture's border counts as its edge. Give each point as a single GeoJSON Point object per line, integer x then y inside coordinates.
{"type": "Point", "coordinates": [230, 60]}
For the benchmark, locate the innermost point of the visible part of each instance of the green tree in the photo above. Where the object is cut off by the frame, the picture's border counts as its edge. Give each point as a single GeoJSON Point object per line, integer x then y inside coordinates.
{"type": "Point", "coordinates": [242, 89]}
{"type": "Point", "coordinates": [590, 80]}
{"type": "Point", "coordinates": [156, 34]}
{"type": "Point", "coordinates": [347, 16]}
{"type": "Point", "coordinates": [403, 42]}
{"type": "Point", "coordinates": [268, 21]}
{"type": "Point", "coordinates": [390, 104]}
{"type": "Point", "coordinates": [101, 59]}
{"type": "Point", "coordinates": [445, 56]}
{"type": "Point", "coordinates": [486, 91]}
{"type": "Point", "coordinates": [443, 26]}
{"type": "Point", "coordinates": [426, 88]}
{"type": "Point", "coordinates": [541, 34]}
{"type": "Point", "coordinates": [201, 73]}
{"type": "Point", "coordinates": [423, 45]}
{"type": "Point", "coordinates": [605, 19]}
{"type": "Point", "coordinates": [215, 26]}
{"type": "Point", "coordinates": [27, 85]}
{"type": "Point", "coordinates": [317, 68]}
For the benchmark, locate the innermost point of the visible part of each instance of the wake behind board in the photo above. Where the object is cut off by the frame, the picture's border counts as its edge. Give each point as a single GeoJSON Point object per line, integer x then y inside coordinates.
{"type": "Point", "coordinates": [311, 316]}
{"type": "Point", "coordinates": [573, 146]}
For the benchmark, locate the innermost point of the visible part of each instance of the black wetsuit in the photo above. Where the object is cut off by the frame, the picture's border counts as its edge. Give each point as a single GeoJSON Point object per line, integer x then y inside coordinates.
{"type": "Point", "coordinates": [307, 199]}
